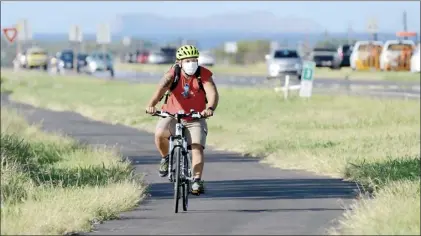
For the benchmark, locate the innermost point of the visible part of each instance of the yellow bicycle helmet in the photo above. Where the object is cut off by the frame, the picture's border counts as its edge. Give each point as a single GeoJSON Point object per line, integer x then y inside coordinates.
{"type": "Point", "coordinates": [187, 51]}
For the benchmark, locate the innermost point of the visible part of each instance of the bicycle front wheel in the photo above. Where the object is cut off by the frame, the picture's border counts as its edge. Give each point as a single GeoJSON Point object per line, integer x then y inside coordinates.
{"type": "Point", "coordinates": [177, 155]}
{"type": "Point", "coordinates": [186, 184]}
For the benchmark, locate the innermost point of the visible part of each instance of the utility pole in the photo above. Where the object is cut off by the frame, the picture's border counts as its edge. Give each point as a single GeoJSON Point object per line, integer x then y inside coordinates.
{"type": "Point", "coordinates": [372, 28]}
{"type": "Point", "coordinates": [349, 32]}
{"type": "Point", "coordinates": [405, 24]}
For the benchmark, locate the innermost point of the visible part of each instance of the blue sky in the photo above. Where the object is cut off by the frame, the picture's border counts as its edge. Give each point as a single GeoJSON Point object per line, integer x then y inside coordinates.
{"type": "Point", "coordinates": [57, 17]}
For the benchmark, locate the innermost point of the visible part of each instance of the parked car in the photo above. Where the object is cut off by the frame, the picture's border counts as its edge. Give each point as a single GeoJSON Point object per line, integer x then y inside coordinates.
{"type": "Point", "coordinates": [142, 57]}
{"type": "Point", "coordinates": [391, 52]}
{"type": "Point", "coordinates": [81, 62]}
{"type": "Point", "coordinates": [324, 57]}
{"type": "Point", "coordinates": [99, 62]}
{"type": "Point", "coordinates": [415, 60]}
{"type": "Point", "coordinates": [66, 56]}
{"type": "Point", "coordinates": [206, 58]}
{"type": "Point", "coordinates": [157, 57]}
{"type": "Point", "coordinates": [169, 54]}
{"type": "Point", "coordinates": [36, 57]}
{"type": "Point", "coordinates": [343, 57]}
{"type": "Point", "coordinates": [284, 61]}
{"type": "Point", "coordinates": [360, 52]}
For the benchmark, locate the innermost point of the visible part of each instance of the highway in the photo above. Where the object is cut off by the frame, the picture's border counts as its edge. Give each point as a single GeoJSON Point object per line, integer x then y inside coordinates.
{"type": "Point", "coordinates": [377, 88]}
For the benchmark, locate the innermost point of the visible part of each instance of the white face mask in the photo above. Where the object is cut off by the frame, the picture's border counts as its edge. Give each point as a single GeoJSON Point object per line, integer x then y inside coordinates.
{"type": "Point", "coordinates": [190, 67]}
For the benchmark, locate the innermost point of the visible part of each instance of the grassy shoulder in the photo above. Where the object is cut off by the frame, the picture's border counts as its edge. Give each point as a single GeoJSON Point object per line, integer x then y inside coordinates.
{"type": "Point", "coordinates": [52, 185]}
{"type": "Point", "coordinates": [261, 70]}
{"type": "Point", "coordinates": [363, 139]}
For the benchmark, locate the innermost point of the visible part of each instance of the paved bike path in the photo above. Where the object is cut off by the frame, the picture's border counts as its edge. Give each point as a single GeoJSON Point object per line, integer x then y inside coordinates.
{"type": "Point", "coordinates": [243, 196]}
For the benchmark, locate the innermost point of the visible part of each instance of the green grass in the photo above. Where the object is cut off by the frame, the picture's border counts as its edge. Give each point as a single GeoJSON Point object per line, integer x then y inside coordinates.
{"type": "Point", "coordinates": [50, 184]}
{"type": "Point", "coordinates": [375, 142]}
{"type": "Point", "coordinates": [261, 70]}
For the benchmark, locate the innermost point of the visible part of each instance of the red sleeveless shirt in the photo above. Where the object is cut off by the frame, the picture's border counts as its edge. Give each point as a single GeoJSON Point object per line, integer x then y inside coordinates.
{"type": "Point", "coordinates": [195, 98]}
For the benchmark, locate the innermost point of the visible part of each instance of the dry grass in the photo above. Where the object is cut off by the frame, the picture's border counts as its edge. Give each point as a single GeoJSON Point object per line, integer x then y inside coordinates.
{"type": "Point", "coordinates": [52, 185]}
{"type": "Point", "coordinates": [395, 211]}
{"type": "Point", "coordinates": [330, 135]}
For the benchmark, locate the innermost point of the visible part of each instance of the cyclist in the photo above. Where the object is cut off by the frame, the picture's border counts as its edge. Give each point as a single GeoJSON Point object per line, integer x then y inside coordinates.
{"type": "Point", "coordinates": [195, 90]}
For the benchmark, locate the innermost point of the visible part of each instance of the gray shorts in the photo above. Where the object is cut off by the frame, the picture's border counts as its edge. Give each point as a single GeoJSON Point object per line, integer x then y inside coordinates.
{"type": "Point", "coordinates": [196, 130]}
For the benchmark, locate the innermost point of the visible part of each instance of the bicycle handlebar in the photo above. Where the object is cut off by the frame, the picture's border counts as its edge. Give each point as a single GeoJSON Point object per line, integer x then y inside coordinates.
{"type": "Point", "coordinates": [192, 114]}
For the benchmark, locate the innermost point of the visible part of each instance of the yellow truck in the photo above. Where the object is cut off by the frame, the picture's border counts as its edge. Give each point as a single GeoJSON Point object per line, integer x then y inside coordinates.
{"type": "Point", "coordinates": [36, 57]}
{"type": "Point", "coordinates": [366, 55]}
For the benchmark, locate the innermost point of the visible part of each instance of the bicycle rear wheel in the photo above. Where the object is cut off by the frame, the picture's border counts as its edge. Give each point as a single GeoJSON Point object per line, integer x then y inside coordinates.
{"type": "Point", "coordinates": [177, 157]}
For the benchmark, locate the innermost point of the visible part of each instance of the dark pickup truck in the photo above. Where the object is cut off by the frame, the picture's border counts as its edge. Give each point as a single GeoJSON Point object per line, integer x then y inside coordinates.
{"type": "Point", "coordinates": [324, 57]}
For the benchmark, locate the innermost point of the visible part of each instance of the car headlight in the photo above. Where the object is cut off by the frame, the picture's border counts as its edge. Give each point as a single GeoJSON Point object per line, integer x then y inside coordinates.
{"type": "Point", "coordinates": [298, 66]}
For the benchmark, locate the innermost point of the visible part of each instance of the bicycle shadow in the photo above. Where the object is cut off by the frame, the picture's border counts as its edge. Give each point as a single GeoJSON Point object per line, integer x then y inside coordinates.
{"type": "Point", "coordinates": [267, 189]}
{"type": "Point", "coordinates": [153, 159]}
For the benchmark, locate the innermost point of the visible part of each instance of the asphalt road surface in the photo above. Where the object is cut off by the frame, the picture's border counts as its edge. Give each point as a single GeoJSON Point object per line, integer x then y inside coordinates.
{"type": "Point", "coordinates": [243, 196]}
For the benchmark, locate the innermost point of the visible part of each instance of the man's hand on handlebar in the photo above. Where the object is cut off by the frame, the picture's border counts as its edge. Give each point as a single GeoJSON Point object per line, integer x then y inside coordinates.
{"type": "Point", "coordinates": [151, 110]}
{"type": "Point", "coordinates": [206, 113]}
{"type": "Point", "coordinates": [192, 114]}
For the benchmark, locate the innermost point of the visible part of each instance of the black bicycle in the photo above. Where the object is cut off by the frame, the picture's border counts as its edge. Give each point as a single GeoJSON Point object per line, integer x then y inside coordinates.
{"type": "Point", "coordinates": [180, 167]}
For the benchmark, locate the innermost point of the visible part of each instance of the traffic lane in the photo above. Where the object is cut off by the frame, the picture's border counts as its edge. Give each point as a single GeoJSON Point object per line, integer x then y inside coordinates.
{"type": "Point", "coordinates": [260, 79]}
{"type": "Point", "coordinates": [255, 82]}
{"type": "Point", "coordinates": [243, 196]}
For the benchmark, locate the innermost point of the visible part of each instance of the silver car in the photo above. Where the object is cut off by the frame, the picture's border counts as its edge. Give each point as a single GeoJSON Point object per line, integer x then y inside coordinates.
{"type": "Point", "coordinates": [284, 62]}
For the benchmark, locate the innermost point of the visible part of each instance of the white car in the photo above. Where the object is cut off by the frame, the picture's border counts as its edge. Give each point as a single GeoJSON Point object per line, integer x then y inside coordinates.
{"type": "Point", "coordinates": [206, 59]}
{"type": "Point", "coordinates": [282, 62]}
{"type": "Point", "coordinates": [415, 60]}
{"type": "Point", "coordinates": [389, 54]}
{"type": "Point", "coordinates": [156, 58]}
{"type": "Point", "coordinates": [360, 51]}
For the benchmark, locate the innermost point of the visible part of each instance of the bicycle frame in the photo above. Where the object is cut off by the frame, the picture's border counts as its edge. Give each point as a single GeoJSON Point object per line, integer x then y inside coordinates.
{"type": "Point", "coordinates": [179, 140]}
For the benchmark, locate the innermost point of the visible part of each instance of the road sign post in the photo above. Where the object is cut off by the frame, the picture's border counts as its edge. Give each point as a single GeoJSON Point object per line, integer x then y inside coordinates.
{"type": "Point", "coordinates": [75, 38]}
{"type": "Point", "coordinates": [24, 34]}
{"type": "Point", "coordinates": [103, 37]}
{"type": "Point", "coordinates": [231, 48]}
{"type": "Point", "coordinates": [126, 43]}
{"type": "Point", "coordinates": [307, 77]}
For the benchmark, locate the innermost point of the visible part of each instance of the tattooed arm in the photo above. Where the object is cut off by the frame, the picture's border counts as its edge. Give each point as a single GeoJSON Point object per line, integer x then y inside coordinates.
{"type": "Point", "coordinates": [211, 93]}
{"type": "Point", "coordinates": [163, 86]}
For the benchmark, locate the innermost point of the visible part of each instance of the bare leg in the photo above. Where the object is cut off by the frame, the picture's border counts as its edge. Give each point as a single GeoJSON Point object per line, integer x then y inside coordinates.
{"type": "Point", "coordinates": [197, 160]}
{"type": "Point", "coordinates": [161, 141]}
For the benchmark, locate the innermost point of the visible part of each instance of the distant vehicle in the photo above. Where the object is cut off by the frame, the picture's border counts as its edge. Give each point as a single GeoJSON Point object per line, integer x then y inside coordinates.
{"type": "Point", "coordinates": [391, 52]}
{"type": "Point", "coordinates": [169, 54]}
{"type": "Point", "coordinates": [66, 56]}
{"type": "Point", "coordinates": [36, 57]}
{"type": "Point", "coordinates": [142, 57]}
{"type": "Point", "coordinates": [415, 60]}
{"type": "Point", "coordinates": [324, 57]}
{"type": "Point", "coordinates": [343, 56]}
{"type": "Point", "coordinates": [206, 58]}
{"type": "Point", "coordinates": [127, 58]}
{"type": "Point", "coordinates": [100, 62]}
{"type": "Point", "coordinates": [284, 61]}
{"type": "Point", "coordinates": [82, 63]}
{"type": "Point", "coordinates": [157, 57]}
{"type": "Point", "coordinates": [360, 51]}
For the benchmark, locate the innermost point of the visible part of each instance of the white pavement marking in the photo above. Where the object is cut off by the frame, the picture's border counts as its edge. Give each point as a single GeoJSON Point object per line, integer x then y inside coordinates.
{"type": "Point", "coordinates": [416, 88]}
